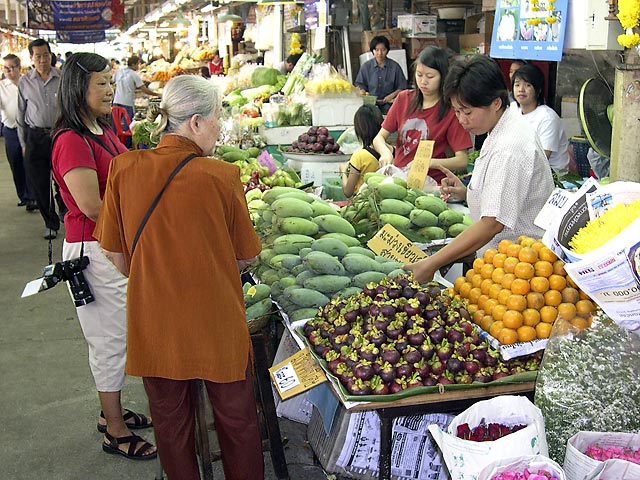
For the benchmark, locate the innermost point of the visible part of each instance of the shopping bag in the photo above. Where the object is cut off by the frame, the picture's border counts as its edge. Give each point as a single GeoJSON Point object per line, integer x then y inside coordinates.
{"type": "Point", "coordinates": [615, 469]}
{"type": "Point", "coordinates": [578, 465]}
{"type": "Point", "coordinates": [533, 463]}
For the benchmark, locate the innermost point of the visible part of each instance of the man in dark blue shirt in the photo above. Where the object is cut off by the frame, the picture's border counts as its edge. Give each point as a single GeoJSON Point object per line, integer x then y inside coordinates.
{"type": "Point", "coordinates": [381, 76]}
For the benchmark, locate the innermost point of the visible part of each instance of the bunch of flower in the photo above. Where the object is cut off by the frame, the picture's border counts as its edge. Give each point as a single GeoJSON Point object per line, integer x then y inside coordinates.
{"type": "Point", "coordinates": [549, 7]}
{"type": "Point", "coordinates": [629, 16]}
{"type": "Point", "coordinates": [486, 433]}
{"type": "Point", "coordinates": [525, 475]}
{"type": "Point", "coordinates": [606, 453]}
{"type": "Point", "coordinates": [295, 47]}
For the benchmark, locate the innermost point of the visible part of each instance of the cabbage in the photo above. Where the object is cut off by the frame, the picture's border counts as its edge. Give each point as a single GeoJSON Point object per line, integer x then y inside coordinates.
{"type": "Point", "coordinates": [264, 76]}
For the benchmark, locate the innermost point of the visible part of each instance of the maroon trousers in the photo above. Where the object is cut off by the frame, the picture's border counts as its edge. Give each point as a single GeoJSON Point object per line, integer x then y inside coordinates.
{"type": "Point", "coordinates": [172, 404]}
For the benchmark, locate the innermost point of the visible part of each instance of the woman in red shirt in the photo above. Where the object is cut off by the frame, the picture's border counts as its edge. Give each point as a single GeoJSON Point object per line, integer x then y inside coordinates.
{"type": "Point", "coordinates": [422, 114]}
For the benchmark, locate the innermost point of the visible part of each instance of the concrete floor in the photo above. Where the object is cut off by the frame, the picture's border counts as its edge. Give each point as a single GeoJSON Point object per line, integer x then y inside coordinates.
{"type": "Point", "coordinates": [48, 402]}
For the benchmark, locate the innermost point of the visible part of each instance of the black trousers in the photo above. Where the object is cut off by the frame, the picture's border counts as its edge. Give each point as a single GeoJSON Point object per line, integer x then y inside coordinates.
{"type": "Point", "coordinates": [13, 150]}
{"type": "Point", "coordinates": [37, 164]}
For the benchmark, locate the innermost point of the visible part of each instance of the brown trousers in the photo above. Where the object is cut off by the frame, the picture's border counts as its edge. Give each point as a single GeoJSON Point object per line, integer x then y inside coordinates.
{"type": "Point", "coordinates": [172, 405]}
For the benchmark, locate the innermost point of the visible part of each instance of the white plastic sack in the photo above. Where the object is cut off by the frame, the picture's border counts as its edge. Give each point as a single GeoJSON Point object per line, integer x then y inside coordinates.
{"type": "Point", "coordinates": [430, 185]}
{"type": "Point", "coordinates": [615, 469]}
{"type": "Point", "coordinates": [465, 459]}
{"type": "Point", "coordinates": [533, 463]}
{"type": "Point", "coordinates": [579, 466]}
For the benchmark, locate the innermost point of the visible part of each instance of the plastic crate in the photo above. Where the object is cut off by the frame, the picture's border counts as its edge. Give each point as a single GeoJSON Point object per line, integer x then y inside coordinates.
{"type": "Point", "coordinates": [580, 147]}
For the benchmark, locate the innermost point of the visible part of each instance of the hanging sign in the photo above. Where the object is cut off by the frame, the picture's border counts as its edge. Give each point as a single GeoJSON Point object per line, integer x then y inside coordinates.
{"type": "Point", "coordinates": [74, 15]}
{"type": "Point", "coordinates": [529, 29]}
{"type": "Point", "coordinates": [81, 37]}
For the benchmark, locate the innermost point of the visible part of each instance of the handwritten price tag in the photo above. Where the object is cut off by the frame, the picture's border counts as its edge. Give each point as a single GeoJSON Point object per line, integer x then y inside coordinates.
{"type": "Point", "coordinates": [420, 165]}
{"type": "Point", "coordinates": [296, 374]}
{"type": "Point", "coordinates": [390, 243]}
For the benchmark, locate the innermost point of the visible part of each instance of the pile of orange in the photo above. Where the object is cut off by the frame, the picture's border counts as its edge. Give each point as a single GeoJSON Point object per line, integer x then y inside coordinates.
{"type": "Point", "coordinates": [518, 291]}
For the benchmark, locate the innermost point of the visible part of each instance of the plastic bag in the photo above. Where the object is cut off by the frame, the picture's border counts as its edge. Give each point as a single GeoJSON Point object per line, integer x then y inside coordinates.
{"type": "Point", "coordinates": [533, 463]}
{"type": "Point", "coordinates": [349, 142]}
{"type": "Point", "coordinates": [429, 186]}
{"type": "Point", "coordinates": [588, 380]}
{"type": "Point", "coordinates": [465, 459]}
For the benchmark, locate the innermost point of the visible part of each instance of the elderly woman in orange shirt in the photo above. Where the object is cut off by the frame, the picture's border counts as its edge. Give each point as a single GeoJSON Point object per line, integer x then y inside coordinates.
{"type": "Point", "coordinates": [185, 304]}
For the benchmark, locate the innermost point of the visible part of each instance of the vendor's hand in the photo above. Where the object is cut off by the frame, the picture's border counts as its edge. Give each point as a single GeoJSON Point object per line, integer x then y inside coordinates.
{"type": "Point", "coordinates": [423, 270]}
{"type": "Point", "coordinates": [385, 159]}
{"type": "Point", "coordinates": [389, 98]}
{"type": "Point", "coordinates": [452, 186]}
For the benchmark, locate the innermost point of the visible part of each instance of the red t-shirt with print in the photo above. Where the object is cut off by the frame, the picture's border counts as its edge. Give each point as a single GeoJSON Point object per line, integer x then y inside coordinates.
{"type": "Point", "coordinates": [415, 125]}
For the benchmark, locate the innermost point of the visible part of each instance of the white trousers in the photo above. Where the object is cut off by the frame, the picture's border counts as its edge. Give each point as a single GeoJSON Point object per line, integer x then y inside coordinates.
{"type": "Point", "coordinates": [103, 321]}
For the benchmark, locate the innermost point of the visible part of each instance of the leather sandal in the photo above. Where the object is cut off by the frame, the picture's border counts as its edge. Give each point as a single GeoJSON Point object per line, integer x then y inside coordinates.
{"type": "Point", "coordinates": [112, 446]}
{"type": "Point", "coordinates": [140, 421]}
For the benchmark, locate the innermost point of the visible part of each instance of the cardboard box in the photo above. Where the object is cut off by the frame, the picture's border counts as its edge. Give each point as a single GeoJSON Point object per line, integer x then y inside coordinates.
{"type": "Point", "coordinates": [477, 34]}
{"type": "Point", "coordinates": [394, 35]}
{"type": "Point", "coordinates": [414, 46]}
{"type": "Point", "coordinates": [488, 5]}
{"type": "Point", "coordinates": [418, 25]}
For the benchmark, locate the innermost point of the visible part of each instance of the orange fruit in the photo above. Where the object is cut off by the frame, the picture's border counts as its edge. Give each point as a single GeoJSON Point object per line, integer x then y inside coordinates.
{"type": "Point", "coordinates": [482, 300]}
{"type": "Point", "coordinates": [510, 264]}
{"type": "Point", "coordinates": [474, 295]}
{"type": "Point", "coordinates": [531, 317]}
{"type": "Point", "coordinates": [457, 283]}
{"type": "Point", "coordinates": [516, 302]}
{"type": "Point", "coordinates": [585, 308]}
{"type": "Point", "coordinates": [465, 288]}
{"type": "Point", "coordinates": [570, 295]}
{"type": "Point", "coordinates": [477, 265]}
{"type": "Point", "coordinates": [524, 270]}
{"type": "Point", "coordinates": [545, 253]}
{"type": "Point", "coordinates": [520, 286]}
{"type": "Point", "coordinates": [571, 283]}
{"type": "Point", "coordinates": [495, 328]}
{"type": "Point", "coordinates": [567, 311]}
{"type": "Point", "coordinates": [469, 275]}
{"type": "Point", "coordinates": [513, 250]}
{"type": "Point", "coordinates": [525, 241]}
{"type": "Point", "coordinates": [476, 280]}
{"type": "Point", "coordinates": [581, 323]}
{"type": "Point", "coordinates": [528, 254]}
{"type": "Point", "coordinates": [472, 308]}
{"type": "Point", "coordinates": [488, 255]}
{"type": "Point", "coordinates": [486, 322]}
{"type": "Point", "coordinates": [498, 273]}
{"type": "Point", "coordinates": [539, 284]}
{"type": "Point", "coordinates": [485, 286]}
{"type": "Point", "coordinates": [498, 259]}
{"type": "Point", "coordinates": [557, 282]}
{"type": "Point", "coordinates": [503, 295]}
{"type": "Point", "coordinates": [507, 336]}
{"type": "Point", "coordinates": [558, 268]}
{"type": "Point", "coordinates": [537, 245]}
{"type": "Point", "coordinates": [526, 333]}
{"type": "Point", "coordinates": [498, 312]}
{"type": "Point", "coordinates": [553, 298]}
{"type": "Point", "coordinates": [486, 270]}
{"type": "Point", "coordinates": [543, 330]}
{"type": "Point", "coordinates": [535, 300]}
{"type": "Point", "coordinates": [503, 245]}
{"type": "Point", "coordinates": [494, 291]}
{"type": "Point", "coordinates": [543, 268]}
{"type": "Point", "coordinates": [507, 280]}
{"type": "Point", "coordinates": [548, 314]}
{"type": "Point", "coordinates": [489, 305]}
{"type": "Point", "coordinates": [512, 319]}
{"type": "Point", "coordinates": [477, 316]}
{"type": "Point", "coordinates": [583, 295]}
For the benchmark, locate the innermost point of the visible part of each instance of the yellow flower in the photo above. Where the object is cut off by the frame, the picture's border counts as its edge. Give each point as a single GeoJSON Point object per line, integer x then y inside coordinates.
{"type": "Point", "coordinates": [551, 20]}
{"type": "Point", "coordinates": [629, 40]}
{"type": "Point", "coordinates": [629, 13]}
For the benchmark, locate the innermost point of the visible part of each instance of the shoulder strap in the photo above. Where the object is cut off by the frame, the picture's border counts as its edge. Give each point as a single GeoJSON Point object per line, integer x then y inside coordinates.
{"type": "Point", "coordinates": [157, 199]}
{"type": "Point", "coordinates": [373, 152]}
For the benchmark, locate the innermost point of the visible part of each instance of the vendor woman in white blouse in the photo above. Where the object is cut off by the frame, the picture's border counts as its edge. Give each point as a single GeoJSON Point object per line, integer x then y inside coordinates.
{"type": "Point", "coordinates": [511, 180]}
{"type": "Point", "coordinates": [528, 92]}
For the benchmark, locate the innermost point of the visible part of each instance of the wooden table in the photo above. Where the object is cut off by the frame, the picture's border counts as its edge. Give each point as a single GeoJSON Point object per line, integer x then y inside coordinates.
{"type": "Point", "coordinates": [445, 402]}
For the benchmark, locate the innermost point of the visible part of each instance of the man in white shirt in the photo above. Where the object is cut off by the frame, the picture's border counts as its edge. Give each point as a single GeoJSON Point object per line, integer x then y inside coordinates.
{"type": "Point", "coordinates": [127, 83]}
{"type": "Point", "coordinates": [13, 149]}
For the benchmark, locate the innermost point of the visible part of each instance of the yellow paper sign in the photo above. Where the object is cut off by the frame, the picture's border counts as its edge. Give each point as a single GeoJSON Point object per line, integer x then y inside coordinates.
{"type": "Point", "coordinates": [420, 165]}
{"type": "Point", "coordinates": [390, 243]}
{"type": "Point", "coordinates": [296, 374]}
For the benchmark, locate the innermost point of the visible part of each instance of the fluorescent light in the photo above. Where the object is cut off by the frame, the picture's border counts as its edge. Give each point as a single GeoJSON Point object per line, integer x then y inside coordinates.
{"type": "Point", "coordinates": [207, 8]}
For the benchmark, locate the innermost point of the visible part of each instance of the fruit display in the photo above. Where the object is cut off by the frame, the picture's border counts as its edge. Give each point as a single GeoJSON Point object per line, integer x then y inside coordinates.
{"type": "Point", "coordinates": [517, 292]}
{"type": "Point", "coordinates": [314, 140]}
{"type": "Point", "coordinates": [486, 432]}
{"type": "Point", "coordinates": [419, 216]}
{"type": "Point", "coordinates": [257, 300]}
{"type": "Point", "coordinates": [396, 335]}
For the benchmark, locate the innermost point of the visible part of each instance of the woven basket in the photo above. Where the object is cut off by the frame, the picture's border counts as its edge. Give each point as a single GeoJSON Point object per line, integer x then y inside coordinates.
{"type": "Point", "coordinates": [580, 147]}
{"type": "Point", "coordinates": [257, 324]}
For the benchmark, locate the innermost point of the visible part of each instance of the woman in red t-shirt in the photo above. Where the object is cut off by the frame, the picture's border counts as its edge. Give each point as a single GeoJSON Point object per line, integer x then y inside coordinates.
{"type": "Point", "coordinates": [83, 147]}
{"type": "Point", "coordinates": [422, 114]}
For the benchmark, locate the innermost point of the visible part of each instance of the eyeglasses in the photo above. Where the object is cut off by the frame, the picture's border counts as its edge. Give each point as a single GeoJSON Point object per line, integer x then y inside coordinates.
{"type": "Point", "coordinates": [8, 68]}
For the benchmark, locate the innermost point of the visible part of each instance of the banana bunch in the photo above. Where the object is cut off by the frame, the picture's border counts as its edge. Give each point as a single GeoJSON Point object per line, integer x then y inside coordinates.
{"type": "Point", "coordinates": [328, 86]}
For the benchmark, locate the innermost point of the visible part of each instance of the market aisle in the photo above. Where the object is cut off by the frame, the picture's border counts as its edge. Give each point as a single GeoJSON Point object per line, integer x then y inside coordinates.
{"type": "Point", "coordinates": [48, 404]}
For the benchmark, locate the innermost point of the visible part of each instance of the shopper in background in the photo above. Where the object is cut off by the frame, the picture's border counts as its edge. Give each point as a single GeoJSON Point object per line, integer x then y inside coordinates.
{"type": "Point", "coordinates": [216, 66]}
{"type": "Point", "coordinates": [36, 115]}
{"type": "Point", "coordinates": [513, 68]}
{"type": "Point", "coordinates": [528, 90]}
{"type": "Point", "coordinates": [186, 317]}
{"type": "Point", "coordinates": [423, 114]}
{"type": "Point", "coordinates": [366, 123]}
{"type": "Point", "coordinates": [511, 180]}
{"type": "Point", "coordinates": [204, 72]}
{"type": "Point", "coordinates": [13, 149]}
{"type": "Point", "coordinates": [381, 76]}
{"type": "Point", "coordinates": [127, 83]}
{"type": "Point", "coordinates": [83, 146]}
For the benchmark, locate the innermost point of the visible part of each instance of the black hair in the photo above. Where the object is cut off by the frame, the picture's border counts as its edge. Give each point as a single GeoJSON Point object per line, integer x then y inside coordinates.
{"type": "Point", "coordinates": [531, 74]}
{"type": "Point", "coordinates": [293, 59]}
{"type": "Point", "coordinates": [436, 58]}
{"type": "Point", "coordinates": [134, 60]}
{"type": "Point", "coordinates": [377, 40]}
{"type": "Point", "coordinates": [476, 82]}
{"type": "Point", "coordinates": [204, 71]}
{"type": "Point", "coordinates": [367, 122]}
{"type": "Point", "coordinates": [72, 95]}
{"type": "Point", "coordinates": [38, 42]}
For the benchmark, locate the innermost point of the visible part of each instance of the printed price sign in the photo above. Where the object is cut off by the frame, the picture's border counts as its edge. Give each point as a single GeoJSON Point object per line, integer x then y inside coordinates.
{"type": "Point", "coordinates": [420, 164]}
{"type": "Point", "coordinates": [555, 203]}
{"type": "Point", "coordinates": [390, 243]}
{"type": "Point", "coordinates": [296, 374]}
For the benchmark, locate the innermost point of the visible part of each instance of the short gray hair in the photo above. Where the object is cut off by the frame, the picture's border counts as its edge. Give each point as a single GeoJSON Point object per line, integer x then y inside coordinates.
{"type": "Point", "coordinates": [183, 97]}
